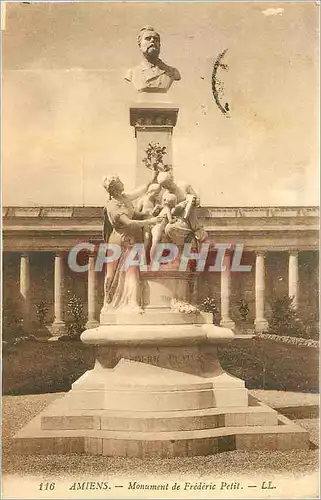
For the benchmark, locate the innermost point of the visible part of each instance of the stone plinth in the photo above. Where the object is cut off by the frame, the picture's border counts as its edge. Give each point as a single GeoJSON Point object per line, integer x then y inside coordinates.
{"type": "Point", "coordinates": [167, 284]}
{"type": "Point", "coordinates": [157, 391]}
{"type": "Point", "coordinates": [153, 122]}
{"type": "Point", "coordinates": [160, 290]}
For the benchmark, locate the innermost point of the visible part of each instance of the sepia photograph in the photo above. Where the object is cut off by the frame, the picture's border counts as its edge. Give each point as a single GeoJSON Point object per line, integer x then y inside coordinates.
{"type": "Point", "coordinates": [160, 249]}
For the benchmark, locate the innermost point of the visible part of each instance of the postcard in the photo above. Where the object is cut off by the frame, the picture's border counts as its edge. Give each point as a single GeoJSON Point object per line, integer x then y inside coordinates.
{"type": "Point", "coordinates": [160, 215]}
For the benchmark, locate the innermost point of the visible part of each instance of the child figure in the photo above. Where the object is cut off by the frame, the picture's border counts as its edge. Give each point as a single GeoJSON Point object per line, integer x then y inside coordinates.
{"type": "Point", "coordinates": [147, 207]}
{"type": "Point", "coordinates": [169, 203]}
{"type": "Point", "coordinates": [147, 202]}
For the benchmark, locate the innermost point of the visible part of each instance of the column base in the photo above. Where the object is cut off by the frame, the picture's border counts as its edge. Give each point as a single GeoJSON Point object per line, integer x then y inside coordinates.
{"type": "Point", "coordinates": [261, 325]}
{"type": "Point", "coordinates": [58, 328]}
{"type": "Point", "coordinates": [227, 323]}
{"type": "Point", "coordinates": [92, 323]}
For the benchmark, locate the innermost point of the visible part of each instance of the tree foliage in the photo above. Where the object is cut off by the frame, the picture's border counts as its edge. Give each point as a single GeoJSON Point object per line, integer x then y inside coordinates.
{"type": "Point", "coordinates": [41, 312]}
{"type": "Point", "coordinates": [243, 309]}
{"type": "Point", "coordinates": [12, 319]}
{"type": "Point", "coordinates": [76, 323]}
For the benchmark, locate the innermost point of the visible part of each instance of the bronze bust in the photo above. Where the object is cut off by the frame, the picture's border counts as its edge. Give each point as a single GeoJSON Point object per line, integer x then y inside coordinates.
{"type": "Point", "coordinates": [152, 74]}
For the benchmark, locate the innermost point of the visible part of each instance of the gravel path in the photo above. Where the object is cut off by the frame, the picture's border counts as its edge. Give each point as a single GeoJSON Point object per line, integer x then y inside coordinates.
{"type": "Point", "coordinates": [18, 410]}
{"type": "Point", "coordinates": [312, 425]}
{"type": "Point", "coordinates": [277, 399]}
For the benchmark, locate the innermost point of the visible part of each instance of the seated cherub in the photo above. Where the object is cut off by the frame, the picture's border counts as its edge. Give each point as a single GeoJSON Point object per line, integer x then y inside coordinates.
{"type": "Point", "coordinates": [166, 215]}
{"type": "Point", "coordinates": [187, 226]}
{"type": "Point", "coordinates": [146, 204]}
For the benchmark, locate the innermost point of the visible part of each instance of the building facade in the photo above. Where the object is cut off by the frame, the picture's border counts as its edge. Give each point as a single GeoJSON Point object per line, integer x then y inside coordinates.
{"type": "Point", "coordinates": [279, 243]}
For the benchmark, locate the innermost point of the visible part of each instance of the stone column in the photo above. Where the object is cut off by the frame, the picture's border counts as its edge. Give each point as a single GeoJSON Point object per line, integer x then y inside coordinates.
{"type": "Point", "coordinates": [25, 289]}
{"type": "Point", "coordinates": [58, 326]}
{"type": "Point", "coordinates": [294, 277]}
{"type": "Point", "coordinates": [153, 123]}
{"type": "Point", "coordinates": [91, 321]}
{"type": "Point", "coordinates": [226, 321]}
{"type": "Point", "coordinates": [260, 322]}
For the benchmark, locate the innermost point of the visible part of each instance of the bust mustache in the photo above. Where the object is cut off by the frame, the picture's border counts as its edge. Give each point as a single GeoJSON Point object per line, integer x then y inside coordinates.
{"type": "Point", "coordinates": [152, 50]}
{"type": "Point", "coordinates": [152, 74]}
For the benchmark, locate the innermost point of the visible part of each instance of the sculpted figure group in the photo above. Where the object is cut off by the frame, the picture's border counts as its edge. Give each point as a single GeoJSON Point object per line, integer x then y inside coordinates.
{"type": "Point", "coordinates": [161, 210]}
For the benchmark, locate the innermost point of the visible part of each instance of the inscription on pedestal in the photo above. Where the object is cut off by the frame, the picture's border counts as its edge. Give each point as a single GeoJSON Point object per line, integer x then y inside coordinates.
{"type": "Point", "coordinates": [145, 359]}
{"type": "Point", "coordinates": [158, 359]}
{"type": "Point", "coordinates": [184, 358]}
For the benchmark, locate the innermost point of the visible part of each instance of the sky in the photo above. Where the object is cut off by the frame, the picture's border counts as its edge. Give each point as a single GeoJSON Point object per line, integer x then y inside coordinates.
{"type": "Point", "coordinates": [66, 104]}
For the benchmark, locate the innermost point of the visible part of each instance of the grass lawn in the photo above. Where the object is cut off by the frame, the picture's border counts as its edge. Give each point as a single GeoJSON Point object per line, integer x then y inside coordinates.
{"type": "Point", "coordinates": [44, 367]}
{"type": "Point", "coordinates": [18, 410]}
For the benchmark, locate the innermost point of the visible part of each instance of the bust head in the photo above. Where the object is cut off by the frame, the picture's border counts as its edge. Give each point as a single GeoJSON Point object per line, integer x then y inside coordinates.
{"type": "Point", "coordinates": [113, 185]}
{"type": "Point", "coordinates": [152, 74]}
{"type": "Point", "coordinates": [149, 42]}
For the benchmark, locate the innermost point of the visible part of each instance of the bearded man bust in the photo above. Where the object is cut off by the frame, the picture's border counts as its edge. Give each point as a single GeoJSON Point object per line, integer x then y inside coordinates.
{"type": "Point", "coordinates": [152, 74]}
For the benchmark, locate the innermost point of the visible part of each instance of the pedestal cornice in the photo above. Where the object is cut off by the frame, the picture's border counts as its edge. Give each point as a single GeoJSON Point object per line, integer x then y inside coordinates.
{"type": "Point", "coordinates": [153, 116]}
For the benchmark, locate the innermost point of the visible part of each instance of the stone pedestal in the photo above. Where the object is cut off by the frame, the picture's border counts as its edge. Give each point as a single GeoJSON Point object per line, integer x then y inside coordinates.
{"type": "Point", "coordinates": [164, 293]}
{"type": "Point", "coordinates": [153, 122]}
{"type": "Point", "coordinates": [157, 391]}
{"type": "Point", "coordinates": [157, 388]}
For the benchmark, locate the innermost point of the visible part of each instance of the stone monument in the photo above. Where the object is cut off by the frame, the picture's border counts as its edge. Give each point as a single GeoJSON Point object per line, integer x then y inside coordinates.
{"type": "Point", "coordinates": [157, 388]}
{"type": "Point", "coordinates": [154, 116]}
{"type": "Point", "coordinates": [152, 74]}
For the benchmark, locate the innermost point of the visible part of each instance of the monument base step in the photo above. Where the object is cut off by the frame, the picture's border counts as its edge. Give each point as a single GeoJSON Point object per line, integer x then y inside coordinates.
{"type": "Point", "coordinates": [126, 421]}
{"type": "Point", "coordinates": [166, 444]}
{"type": "Point", "coordinates": [145, 400]}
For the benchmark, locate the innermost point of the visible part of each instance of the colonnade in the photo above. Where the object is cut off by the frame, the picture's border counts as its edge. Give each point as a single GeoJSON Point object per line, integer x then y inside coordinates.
{"type": "Point", "coordinates": [58, 326]}
{"type": "Point", "coordinates": [260, 321]}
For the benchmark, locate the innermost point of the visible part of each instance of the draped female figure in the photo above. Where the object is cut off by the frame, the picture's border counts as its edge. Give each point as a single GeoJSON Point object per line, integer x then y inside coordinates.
{"type": "Point", "coordinates": [123, 226]}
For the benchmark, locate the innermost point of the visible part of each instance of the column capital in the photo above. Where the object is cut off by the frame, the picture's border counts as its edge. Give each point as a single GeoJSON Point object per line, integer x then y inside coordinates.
{"type": "Point", "coordinates": [25, 255]}
{"type": "Point", "coordinates": [261, 253]}
{"type": "Point", "coordinates": [294, 252]}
